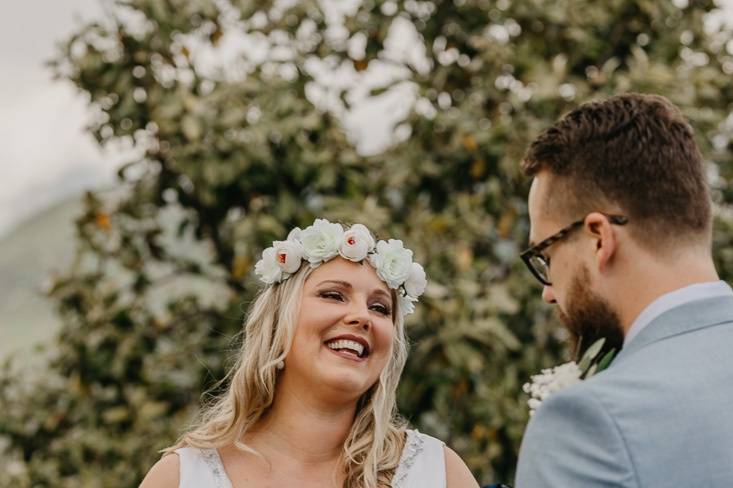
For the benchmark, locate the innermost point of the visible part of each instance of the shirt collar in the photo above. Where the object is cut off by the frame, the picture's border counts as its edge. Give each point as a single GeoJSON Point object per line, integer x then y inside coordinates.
{"type": "Point", "coordinates": [681, 296]}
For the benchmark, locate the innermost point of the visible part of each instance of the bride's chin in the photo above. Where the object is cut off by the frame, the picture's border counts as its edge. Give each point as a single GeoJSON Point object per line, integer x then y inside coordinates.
{"type": "Point", "coordinates": [344, 387]}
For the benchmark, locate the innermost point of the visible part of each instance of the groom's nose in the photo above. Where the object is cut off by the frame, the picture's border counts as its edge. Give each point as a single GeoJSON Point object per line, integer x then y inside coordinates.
{"type": "Point", "coordinates": [547, 294]}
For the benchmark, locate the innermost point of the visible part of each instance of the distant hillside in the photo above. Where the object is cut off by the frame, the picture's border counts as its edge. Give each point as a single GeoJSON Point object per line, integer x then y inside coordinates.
{"type": "Point", "coordinates": [44, 244]}
{"type": "Point", "coordinates": [28, 254]}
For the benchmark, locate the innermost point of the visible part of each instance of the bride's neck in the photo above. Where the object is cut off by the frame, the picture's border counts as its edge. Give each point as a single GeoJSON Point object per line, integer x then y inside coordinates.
{"type": "Point", "coordinates": [302, 428]}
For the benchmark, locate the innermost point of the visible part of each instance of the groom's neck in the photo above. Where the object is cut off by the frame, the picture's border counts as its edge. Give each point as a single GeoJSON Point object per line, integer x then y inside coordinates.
{"type": "Point", "coordinates": [650, 278]}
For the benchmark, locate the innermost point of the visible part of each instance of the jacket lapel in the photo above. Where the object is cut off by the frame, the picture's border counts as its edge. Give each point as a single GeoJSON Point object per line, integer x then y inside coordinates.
{"type": "Point", "coordinates": [684, 318]}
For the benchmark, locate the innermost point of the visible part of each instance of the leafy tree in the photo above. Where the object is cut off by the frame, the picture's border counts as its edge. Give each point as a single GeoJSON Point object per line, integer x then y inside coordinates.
{"type": "Point", "coordinates": [230, 156]}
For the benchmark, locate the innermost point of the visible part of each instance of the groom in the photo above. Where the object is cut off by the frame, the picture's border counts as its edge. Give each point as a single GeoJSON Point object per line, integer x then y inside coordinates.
{"type": "Point", "coordinates": [621, 241]}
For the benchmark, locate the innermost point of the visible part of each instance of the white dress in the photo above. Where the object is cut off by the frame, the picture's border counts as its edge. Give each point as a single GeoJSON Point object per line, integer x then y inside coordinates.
{"type": "Point", "coordinates": [422, 465]}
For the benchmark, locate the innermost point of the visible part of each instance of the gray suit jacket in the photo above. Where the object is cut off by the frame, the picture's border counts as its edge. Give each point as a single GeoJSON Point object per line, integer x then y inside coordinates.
{"type": "Point", "coordinates": [660, 417]}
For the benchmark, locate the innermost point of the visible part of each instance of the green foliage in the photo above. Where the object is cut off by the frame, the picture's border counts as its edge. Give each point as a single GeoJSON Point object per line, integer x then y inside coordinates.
{"type": "Point", "coordinates": [229, 159]}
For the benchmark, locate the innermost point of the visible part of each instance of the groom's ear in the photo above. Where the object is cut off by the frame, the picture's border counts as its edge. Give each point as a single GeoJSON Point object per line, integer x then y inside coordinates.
{"type": "Point", "coordinates": [603, 238]}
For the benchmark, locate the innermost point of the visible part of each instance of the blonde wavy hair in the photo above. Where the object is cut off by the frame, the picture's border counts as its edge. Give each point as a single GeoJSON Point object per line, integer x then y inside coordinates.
{"type": "Point", "coordinates": [372, 449]}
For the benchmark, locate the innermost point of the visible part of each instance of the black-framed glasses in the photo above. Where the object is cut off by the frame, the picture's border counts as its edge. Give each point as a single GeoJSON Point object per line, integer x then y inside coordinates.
{"type": "Point", "coordinates": [539, 264]}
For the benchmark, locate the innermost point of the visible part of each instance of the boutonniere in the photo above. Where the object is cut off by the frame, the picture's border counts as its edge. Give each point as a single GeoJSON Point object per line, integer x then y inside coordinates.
{"type": "Point", "coordinates": [550, 380]}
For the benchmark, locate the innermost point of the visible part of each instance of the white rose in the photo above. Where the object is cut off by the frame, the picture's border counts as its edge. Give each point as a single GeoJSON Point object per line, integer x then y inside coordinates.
{"type": "Point", "coordinates": [268, 268]}
{"type": "Point", "coordinates": [358, 242]}
{"type": "Point", "coordinates": [321, 241]}
{"type": "Point", "coordinates": [289, 255]}
{"type": "Point", "coordinates": [294, 234]}
{"type": "Point", "coordinates": [407, 304]}
{"type": "Point", "coordinates": [392, 262]}
{"type": "Point", "coordinates": [416, 282]}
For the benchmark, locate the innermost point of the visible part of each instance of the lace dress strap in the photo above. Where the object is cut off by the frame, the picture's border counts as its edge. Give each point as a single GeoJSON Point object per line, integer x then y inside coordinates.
{"type": "Point", "coordinates": [201, 468]}
{"type": "Point", "coordinates": [422, 464]}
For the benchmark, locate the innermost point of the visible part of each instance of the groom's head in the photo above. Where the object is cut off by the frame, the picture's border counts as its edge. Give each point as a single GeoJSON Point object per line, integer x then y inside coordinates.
{"type": "Point", "coordinates": [618, 191]}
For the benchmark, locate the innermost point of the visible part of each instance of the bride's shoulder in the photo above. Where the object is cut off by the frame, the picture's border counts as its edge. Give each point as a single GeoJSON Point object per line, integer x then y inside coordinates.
{"type": "Point", "coordinates": [164, 473]}
{"type": "Point", "coordinates": [457, 474]}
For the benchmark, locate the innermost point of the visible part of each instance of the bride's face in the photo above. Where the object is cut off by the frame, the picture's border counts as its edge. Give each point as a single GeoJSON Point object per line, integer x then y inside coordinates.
{"type": "Point", "coordinates": [344, 334]}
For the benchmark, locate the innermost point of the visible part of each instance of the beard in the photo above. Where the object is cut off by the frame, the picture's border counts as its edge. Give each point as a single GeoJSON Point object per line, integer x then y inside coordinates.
{"type": "Point", "coordinates": [589, 318]}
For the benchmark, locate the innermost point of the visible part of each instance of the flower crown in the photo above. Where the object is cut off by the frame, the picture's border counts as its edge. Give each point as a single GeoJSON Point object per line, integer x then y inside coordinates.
{"type": "Point", "coordinates": [323, 241]}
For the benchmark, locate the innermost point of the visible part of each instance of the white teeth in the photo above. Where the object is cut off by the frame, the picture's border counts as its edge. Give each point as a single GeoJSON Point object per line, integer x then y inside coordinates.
{"type": "Point", "coordinates": [347, 344]}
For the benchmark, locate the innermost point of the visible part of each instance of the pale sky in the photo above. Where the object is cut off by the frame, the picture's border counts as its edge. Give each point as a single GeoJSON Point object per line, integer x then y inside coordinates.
{"type": "Point", "coordinates": [45, 155]}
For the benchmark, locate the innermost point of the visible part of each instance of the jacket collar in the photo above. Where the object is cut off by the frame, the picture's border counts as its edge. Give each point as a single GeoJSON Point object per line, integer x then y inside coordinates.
{"type": "Point", "coordinates": [688, 317]}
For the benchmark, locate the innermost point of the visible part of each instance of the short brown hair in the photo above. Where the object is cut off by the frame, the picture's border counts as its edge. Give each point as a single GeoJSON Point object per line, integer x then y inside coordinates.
{"type": "Point", "coordinates": [635, 151]}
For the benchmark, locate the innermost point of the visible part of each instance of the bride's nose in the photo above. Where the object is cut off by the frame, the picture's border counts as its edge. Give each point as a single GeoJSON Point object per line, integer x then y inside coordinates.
{"type": "Point", "coordinates": [358, 316]}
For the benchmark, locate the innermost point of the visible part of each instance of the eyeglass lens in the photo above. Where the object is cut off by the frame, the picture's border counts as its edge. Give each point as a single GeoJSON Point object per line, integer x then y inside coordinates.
{"type": "Point", "coordinates": [540, 265]}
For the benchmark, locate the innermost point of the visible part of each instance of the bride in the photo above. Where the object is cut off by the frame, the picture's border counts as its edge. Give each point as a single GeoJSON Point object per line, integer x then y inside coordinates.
{"type": "Point", "coordinates": [311, 400]}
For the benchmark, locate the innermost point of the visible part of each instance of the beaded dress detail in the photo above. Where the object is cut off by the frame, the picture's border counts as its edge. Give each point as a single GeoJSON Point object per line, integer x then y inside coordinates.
{"type": "Point", "coordinates": [201, 468]}
{"type": "Point", "coordinates": [413, 447]}
{"type": "Point", "coordinates": [211, 456]}
{"type": "Point", "coordinates": [422, 464]}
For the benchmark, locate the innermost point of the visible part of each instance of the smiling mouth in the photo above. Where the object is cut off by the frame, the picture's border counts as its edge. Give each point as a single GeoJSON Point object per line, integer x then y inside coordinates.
{"type": "Point", "coordinates": [348, 348]}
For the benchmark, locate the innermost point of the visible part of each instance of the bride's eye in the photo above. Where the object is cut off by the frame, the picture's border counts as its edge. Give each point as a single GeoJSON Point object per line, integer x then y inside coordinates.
{"type": "Point", "coordinates": [331, 295]}
{"type": "Point", "coordinates": [381, 308]}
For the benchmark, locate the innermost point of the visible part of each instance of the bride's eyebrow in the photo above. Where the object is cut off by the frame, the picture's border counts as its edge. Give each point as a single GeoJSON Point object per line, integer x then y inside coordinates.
{"type": "Point", "coordinates": [380, 292]}
{"type": "Point", "coordinates": [344, 284]}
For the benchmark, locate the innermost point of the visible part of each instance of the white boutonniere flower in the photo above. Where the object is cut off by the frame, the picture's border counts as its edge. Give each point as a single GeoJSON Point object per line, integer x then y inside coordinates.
{"type": "Point", "coordinates": [550, 380]}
